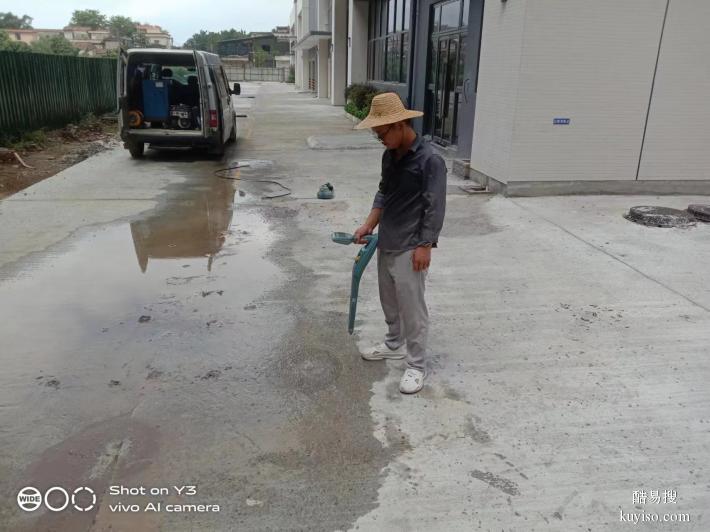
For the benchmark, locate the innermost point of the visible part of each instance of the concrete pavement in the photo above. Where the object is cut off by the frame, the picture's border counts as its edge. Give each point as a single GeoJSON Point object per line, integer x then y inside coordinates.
{"type": "Point", "coordinates": [165, 327]}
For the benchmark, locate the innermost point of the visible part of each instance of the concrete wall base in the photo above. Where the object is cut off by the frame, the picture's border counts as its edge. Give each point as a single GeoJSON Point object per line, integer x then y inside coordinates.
{"type": "Point", "coordinates": [659, 187]}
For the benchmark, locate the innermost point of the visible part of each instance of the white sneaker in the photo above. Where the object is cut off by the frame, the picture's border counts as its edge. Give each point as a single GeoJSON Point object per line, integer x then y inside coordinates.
{"type": "Point", "coordinates": [382, 351]}
{"type": "Point", "coordinates": [412, 381]}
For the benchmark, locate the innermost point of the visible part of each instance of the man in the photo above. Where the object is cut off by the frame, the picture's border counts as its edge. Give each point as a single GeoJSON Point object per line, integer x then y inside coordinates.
{"type": "Point", "coordinates": [409, 208]}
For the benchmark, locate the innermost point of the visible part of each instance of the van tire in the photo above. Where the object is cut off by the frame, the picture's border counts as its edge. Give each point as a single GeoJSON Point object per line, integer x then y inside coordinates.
{"type": "Point", "coordinates": [217, 149]}
{"type": "Point", "coordinates": [136, 149]}
{"type": "Point", "coordinates": [233, 134]}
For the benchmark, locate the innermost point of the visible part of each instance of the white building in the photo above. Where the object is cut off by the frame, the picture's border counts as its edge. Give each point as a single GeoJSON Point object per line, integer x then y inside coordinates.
{"type": "Point", "coordinates": [320, 47]}
{"type": "Point", "coordinates": [542, 96]}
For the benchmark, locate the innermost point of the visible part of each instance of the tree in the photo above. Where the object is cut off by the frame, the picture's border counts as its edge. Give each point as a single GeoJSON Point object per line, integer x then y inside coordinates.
{"type": "Point", "coordinates": [90, 18]}
{"type": "Point", "coordinates": [121, 27]}
{"type": "Point", "coordinates": [55, 44]}
{"type": "Point", "coordinates": [260, 58]}
{"type": "Point", "coordinates": [11, 21]}
{"type": "Point", "coordinates": [207, 41]}
{"type": "Point", "coordinates": [8, 45]}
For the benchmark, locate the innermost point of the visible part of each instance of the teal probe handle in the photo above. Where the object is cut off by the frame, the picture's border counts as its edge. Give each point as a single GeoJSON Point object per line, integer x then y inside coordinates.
{"type": "Point", "coordinates": [361, 261]}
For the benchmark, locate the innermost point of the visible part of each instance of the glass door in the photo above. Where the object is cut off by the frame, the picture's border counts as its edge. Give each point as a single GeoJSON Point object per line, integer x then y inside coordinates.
{"type": "Point", "coordinates": [444, 77]}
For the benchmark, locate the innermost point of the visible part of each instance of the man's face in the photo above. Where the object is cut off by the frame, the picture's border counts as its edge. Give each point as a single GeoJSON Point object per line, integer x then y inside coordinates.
{"type": "Point", "coordinates": [389, 135]}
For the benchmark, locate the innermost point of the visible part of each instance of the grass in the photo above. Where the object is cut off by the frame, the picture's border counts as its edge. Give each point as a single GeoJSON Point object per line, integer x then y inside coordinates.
{"type": "Point", "coordinates": [39, 138]}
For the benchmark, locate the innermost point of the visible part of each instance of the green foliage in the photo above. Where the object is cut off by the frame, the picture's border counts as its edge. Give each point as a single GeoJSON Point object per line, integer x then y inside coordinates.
{"type": "Point", "coordinates": [207, 41]}
{"type": "Point", "coordinates": [291, 75]}
{"type": "Point", "coordinates": [121, 27]}
{"type": "Point", "coordinates": [11, 21]}
{"type": "Point", "coordinates": [55, 44]}
{"type": "Point", "coordinates": [25, 141]}
{"type": "Point", "coordinates": [8, 45]}
{"type": "Point", "coordinates": [359, 97]}
{"type": "Point", "coordinates": [261, 58]}
{"type": "Point", "coordinates": [351, 109]}
{"type": "Point", "coordinates": [90, 18]}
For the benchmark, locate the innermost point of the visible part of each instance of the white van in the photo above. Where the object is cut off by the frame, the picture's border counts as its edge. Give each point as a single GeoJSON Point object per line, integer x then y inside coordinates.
{"type": "Point", "coordinates": [174, 98]}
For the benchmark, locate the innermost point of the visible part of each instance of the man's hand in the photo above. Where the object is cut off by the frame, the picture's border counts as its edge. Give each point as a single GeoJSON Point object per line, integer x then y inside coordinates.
{"type": "Point", "coordinates": [362, 231]}
{"type": "Point", "coordinates": [421, 258]}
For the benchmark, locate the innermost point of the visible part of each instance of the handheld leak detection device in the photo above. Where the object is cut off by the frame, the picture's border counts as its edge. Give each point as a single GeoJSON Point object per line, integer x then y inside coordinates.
{"type": "Point", "coordinates": [361, 261]}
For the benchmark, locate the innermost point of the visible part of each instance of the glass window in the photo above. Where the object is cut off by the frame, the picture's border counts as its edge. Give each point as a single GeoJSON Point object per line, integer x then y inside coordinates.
{"type": "Point", "coordinates": [407, 14]}
{"type": "Point", "coordinates": [450, 15]}
{"type": "Point", "coordinates": [405, 58]}
{"type": "Point", "coordinates": [436, 18]}
{"type": "Point", "coordinates": [372, 20]}
{"type": "Point", "coordinates": [462, 64]}
{"type": "Point", "coordinates": [393, 68]}
{"type": "Point", "coordinates": [464, 17]}
{"type": "Point", "coordinates": [398, 20]}
{"type": "Point", "coordinates": [391, 26]}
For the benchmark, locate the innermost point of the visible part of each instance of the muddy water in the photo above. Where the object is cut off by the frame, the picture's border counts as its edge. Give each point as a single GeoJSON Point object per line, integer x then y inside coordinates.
{"type": "Point", "coordinates": [119, 339]}
{"type": "Point", "coordinates": [190, 346]}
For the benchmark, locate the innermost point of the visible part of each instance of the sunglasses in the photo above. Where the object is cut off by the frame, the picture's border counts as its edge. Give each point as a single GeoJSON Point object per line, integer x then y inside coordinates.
{"type": "Point", "coordinates": [381, 136]}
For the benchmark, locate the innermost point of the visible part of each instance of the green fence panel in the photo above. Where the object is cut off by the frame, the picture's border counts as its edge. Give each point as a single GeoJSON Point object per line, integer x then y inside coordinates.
{"type": "Point", "coordinates": [43, 90]}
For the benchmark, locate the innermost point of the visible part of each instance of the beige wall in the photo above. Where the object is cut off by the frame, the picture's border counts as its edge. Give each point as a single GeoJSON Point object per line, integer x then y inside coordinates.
{"type": "Point", "coordinates": [678, 135]}
{"type": "Point", "coordinates": [591, 62]}
{"type": "Point", "coordinates": [499, 71]}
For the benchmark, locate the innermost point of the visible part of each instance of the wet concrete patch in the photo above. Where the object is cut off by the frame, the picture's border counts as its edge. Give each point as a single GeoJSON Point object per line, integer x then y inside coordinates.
{"type": "Point", "coordinates": [324, 469]}
{"type": "Point", "coordinates": [476, 222]}
{"type": "Point", "coordinates": [99, 454]}
{"type": "Point", "coordinates": [349, 141]}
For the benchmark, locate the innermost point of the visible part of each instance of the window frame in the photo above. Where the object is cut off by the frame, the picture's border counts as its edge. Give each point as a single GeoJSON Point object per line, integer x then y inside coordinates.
{"type": "Point", "coordinates": [379, 37]}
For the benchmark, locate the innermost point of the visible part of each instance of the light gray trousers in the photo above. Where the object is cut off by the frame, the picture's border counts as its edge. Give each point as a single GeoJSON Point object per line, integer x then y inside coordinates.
{"type": "Point", "coordinates": [402, 299]}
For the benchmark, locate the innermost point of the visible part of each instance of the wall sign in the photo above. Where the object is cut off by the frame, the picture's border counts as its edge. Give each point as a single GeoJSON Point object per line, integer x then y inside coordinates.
{"type": "Point", "coordinates": [560, 121]}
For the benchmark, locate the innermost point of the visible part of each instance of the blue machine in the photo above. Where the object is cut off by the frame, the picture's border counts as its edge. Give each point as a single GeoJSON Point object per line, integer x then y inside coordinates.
{"type": "Point", "coordinates": [156, 106]}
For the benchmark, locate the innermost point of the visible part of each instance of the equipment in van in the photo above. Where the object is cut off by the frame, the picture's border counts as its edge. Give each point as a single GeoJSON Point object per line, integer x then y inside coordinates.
{"type": "Point", "coordinates": [135, 118]}
{"type": "Point", "coordinates": [155, 100]}
{"type": "Point", "coordinates": [361, 261]}
{"type": "Point", "coordinates": [184, 117]}
{"type": "Point", "coordinates": [178, 93]}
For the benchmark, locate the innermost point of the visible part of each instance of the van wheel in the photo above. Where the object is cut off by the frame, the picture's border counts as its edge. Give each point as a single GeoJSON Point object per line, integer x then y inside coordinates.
{"type": "Point", "coordinates": [233, 135]}
{"type": "Point", "coordinates": [136, 149]}
{"type": "Point", "coordinates": [217, 149]}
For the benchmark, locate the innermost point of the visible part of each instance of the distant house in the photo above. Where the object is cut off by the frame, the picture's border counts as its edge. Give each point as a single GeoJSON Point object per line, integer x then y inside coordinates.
{"type": "Point", "coordinates": [274, 43]}
{"type": "Point", "coordinates": [155, 36]}
{"type": "Point", "coordinates": [93, 41]}
{"type": "Point", "coordinates": [30, 36]}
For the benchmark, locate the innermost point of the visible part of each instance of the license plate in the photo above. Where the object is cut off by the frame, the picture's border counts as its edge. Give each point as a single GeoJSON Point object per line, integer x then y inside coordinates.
{"type": "Point", "coordinates": [180, 114]}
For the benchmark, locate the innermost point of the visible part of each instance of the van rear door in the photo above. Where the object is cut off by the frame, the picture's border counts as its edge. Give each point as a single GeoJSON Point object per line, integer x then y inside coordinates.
{"type": "Point", "coordinates": [121, 66]}
{"type": "Point", "coordinates": [204, 92]}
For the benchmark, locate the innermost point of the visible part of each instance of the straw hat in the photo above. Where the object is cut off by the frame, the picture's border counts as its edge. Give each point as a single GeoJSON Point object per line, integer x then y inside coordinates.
{"type": "Point", "coordinates": [386, 109]}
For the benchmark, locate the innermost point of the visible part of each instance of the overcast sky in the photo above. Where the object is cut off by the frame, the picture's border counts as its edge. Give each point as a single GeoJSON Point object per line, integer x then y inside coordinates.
{"type": "Point", "coordinates": [181, 18]}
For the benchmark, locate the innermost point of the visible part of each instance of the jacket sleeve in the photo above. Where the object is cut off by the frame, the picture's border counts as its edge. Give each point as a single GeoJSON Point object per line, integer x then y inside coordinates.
{"type": "Point", "coordinates": [379, 202]}
{"type": "Point", "coordinates": [434, 196]}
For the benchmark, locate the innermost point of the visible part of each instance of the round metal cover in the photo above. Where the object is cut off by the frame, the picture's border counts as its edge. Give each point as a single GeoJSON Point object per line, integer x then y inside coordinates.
{"type": "Point", "coordinates": [701, 212]}
{"type": "Point", "coordinates": [660, 216]}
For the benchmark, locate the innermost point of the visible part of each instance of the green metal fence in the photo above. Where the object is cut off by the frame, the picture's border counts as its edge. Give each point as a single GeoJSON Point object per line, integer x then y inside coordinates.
{"type": "Point", "coordinates": [42, 90]}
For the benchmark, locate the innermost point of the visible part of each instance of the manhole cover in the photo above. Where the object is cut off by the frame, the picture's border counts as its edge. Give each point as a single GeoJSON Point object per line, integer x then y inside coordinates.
{"type": "Point", "coordinates": [701, 212]}
{"type": "Point", "coordinates": [660, 216]}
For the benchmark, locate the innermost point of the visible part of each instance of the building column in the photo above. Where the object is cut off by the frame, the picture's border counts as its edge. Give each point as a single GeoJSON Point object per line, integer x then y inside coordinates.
{"type": "Point", "coordinates": [338, 74]}
{"type": "Point", "coordinates": [298, 68]}
{"type": "Point", "coordinates": [357, 33]}
{"type": "Point", "coordinates": [323, 74]}
{"type": "Point", "coordinates": [304, 69]}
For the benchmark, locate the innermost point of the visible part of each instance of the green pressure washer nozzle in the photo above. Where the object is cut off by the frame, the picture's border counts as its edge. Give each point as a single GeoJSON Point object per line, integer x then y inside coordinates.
{"type": "Point", "coordinates": [342, 238]}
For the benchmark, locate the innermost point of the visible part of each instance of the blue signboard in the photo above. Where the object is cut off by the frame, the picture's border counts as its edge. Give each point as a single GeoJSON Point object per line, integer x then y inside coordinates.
{"type": "Point", "coordinates": [560, 121]}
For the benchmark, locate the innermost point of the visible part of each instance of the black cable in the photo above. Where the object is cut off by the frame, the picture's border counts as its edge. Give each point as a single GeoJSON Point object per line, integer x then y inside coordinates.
{"type": "Point", "coordinates": [220, 173]}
